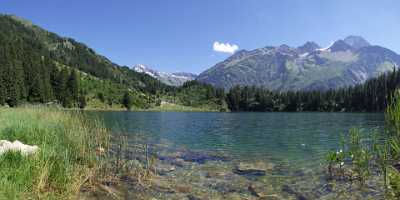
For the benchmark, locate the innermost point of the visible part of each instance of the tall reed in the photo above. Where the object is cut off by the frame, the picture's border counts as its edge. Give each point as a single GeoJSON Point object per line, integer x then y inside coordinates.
{"type": "Point", "coordinates": [65, 161]}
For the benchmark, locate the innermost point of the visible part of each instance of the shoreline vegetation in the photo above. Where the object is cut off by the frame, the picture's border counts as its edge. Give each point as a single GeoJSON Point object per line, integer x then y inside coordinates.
{"type": "Point", "coordinates": [164, 107]}
{"type": "Point", "coordinates": [360, 159]}
{"type": "Point", "coordinates": [65, 162]}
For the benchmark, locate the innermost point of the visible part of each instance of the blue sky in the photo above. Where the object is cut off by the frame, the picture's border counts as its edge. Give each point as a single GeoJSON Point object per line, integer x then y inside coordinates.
{"type": "Point", "coordinates": [178, 35]}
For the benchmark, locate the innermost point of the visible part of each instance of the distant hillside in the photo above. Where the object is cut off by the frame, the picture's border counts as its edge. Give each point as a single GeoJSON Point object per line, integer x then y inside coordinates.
{"type": "Point", "coordinates": [173, 79]}
{"type": "Point", "coordinates": [38, 66]}
{"type": "Point", "coordinates": [32, 59]}
{"type": "Point", "coordinates": [308, 67]}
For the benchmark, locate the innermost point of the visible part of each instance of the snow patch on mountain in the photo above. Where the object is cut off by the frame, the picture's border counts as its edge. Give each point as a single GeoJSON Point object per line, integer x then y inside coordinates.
{"type": "Point", "coordinates": [173, 79]}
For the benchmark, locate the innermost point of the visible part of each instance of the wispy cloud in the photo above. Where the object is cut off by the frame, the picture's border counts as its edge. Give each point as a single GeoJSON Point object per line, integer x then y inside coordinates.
{"type": "Point", "coordinates": [225, 47]}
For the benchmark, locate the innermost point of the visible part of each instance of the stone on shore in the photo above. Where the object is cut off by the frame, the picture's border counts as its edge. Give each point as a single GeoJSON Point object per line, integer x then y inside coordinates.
{"type": "Point", "coordinates": [17, 146]}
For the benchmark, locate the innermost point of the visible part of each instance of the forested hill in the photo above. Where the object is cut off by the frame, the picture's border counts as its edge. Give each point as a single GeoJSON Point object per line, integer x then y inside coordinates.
{"type": "Point", "coordinates": [36, 66]}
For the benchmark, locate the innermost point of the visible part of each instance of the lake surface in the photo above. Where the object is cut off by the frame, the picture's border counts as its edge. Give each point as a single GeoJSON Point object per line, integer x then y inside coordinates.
{"type": "Point", "coordinates": [296, 138]}
{"type": "Point", "coordinates": [204, 149]}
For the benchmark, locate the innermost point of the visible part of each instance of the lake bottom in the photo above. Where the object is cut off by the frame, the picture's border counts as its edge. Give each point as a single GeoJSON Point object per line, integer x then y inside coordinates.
{"type": "Point", "coordinates": [181, 173]}
{"type": "Point", "coordinates": [200, 156]}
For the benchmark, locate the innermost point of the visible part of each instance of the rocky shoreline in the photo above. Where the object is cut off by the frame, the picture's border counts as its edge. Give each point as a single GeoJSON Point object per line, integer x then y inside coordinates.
{"type": "Point", "coordinates": [178, 173]}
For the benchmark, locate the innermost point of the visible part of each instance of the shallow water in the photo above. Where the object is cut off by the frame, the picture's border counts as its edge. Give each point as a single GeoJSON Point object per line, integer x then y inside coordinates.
{"type": "Point", "coordinates": [279, 137]}
{"type": "Point", "coordinates": [296, 142]}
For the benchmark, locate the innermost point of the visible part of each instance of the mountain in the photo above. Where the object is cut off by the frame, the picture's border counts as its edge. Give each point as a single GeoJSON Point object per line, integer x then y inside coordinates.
{"type": "Point", "coordinates": [173, 79]}
{"type": "Point", "coordinates": [308, 67]}
{"type": "Point", "coordinates": [356, 42]}
{"type": "Point", "coordinates": [308, 47]}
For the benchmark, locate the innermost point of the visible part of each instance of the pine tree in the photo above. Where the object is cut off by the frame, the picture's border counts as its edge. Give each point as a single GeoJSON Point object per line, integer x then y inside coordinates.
{"type": "Point", "coordinates": [60, 85]}
{"type": "Point", "coordinates": [127, 101]}
{"type": "Point", "coordinates": [36, 89]}
{"type": "Point", "coordinates": [73, 87]}
{"type": "Point", "coordinates": [82, 102]}
{"type": "Point", "coordinates": [2, 86]}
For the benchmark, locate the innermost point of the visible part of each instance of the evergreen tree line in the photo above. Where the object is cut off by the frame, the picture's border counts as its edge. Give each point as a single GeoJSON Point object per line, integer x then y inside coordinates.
{"type": "Point", "coordinates": [37, 66]}
{"type": "Point", "coordinates": [27, 75]}
{"type": "Point", "coordinates": [371, 96]}
{"type": "Point", "coordinates": [194, 93]}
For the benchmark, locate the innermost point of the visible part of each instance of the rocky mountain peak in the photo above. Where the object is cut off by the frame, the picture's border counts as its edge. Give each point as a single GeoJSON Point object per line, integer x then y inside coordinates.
{"type": "Point", "coordinates": [308, 47]}
{"type": "Point", "coordinates": [340, 45]}
{"type": "Point", "coordinates": [357, 42]}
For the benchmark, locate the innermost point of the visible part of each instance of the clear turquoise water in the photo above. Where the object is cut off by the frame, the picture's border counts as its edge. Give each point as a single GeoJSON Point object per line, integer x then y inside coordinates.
{"type": "Point", "coordinates": [294, 138]}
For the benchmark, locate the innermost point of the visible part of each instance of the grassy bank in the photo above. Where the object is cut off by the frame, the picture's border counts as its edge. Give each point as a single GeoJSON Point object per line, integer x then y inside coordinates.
{"type": "Point", "coordinates": [170, 107]}
{"type": "Point", "coordinates": [66, 158]}
{"type": "Point", "coordinates": [167, 107]}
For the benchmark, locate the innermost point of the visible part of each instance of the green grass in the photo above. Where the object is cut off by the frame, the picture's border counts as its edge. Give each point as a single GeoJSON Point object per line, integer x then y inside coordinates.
{"type": "Point", "coordinates": [170, 107]}
{"type": "Point", "coordinates": [66, 159]}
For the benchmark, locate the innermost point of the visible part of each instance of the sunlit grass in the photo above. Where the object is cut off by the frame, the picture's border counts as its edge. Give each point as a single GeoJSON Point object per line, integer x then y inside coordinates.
{"type": "Point", "coordinates": [66, 159]}
{"type": "Point", "coordinates": [170, 107]}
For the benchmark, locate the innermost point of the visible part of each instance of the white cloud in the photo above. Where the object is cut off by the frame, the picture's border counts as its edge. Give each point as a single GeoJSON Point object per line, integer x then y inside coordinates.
{"type": "Point", "coordinates": [225, 47]}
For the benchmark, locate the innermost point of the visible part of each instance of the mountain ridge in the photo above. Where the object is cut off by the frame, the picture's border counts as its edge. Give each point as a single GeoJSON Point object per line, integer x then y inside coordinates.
{"type": "Point", "coordinates": [346, 62]}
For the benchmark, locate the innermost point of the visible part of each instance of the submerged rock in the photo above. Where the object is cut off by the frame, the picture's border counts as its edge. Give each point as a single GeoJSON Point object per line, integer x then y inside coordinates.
{"type": "Point", "coordinates": [262, 192]}
{"type": "Point", "coordinates": [226, 187]}
{"type": "Point", "coordinates": [183, 188]}
{"type": "Point", "coordinates": [201, 158]}
{"type": "Point", "coordinates": [256, 191]}
{"type": "Point", "coordinates": [291, 191]}
{"type": "Point", "coordinates": [193, 197]}
{"type": "Point", "coordinates": [253, 169]}
{"type": "Point", "coordinates": [163, 169]}
{"type": "Point", "coordinates": [17, 146]}
{"type": "Point", "coordinates": [162, 186]}
{"type": "Point", "coordinates": [217, 174]}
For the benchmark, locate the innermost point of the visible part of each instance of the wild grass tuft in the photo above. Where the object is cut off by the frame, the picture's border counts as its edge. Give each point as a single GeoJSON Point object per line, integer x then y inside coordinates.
{"type": "Point", "coordinates": [66, 160]}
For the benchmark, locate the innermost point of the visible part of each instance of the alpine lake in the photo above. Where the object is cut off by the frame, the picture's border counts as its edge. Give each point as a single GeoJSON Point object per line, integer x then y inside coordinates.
{"type": "Point", "coordinates": [207, 155]}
